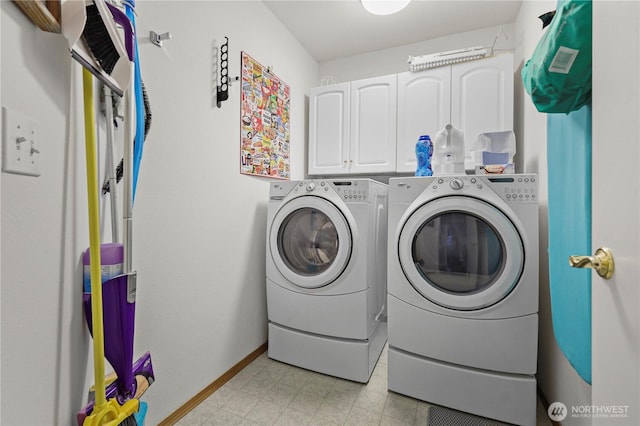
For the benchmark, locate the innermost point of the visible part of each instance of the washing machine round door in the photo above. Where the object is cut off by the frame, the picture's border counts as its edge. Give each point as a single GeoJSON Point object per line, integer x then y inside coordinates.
{"type": "Point", "coordinates": [461, 253]}
{"type": "Point", "coordinates": [310, 242]}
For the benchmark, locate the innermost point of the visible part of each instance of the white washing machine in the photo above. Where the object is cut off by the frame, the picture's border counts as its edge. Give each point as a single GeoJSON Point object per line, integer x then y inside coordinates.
{"type": "Point", "coordinates": [463, 293]}
{"type": "Point", "coordinates": [326, 275]}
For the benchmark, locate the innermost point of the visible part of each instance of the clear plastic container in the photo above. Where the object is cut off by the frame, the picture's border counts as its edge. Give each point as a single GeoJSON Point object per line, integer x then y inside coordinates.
{"type": "Point", "coordinates": [494, 148]}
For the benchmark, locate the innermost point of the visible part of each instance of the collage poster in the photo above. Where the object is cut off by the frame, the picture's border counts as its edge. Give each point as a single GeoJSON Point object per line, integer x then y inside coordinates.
{"type": "Point", "coordinates": [264, 123]}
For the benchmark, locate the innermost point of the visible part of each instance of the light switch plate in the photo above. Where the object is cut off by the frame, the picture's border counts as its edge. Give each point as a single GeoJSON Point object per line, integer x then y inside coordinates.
{"type": "Point", "coordinates": [20, 147]}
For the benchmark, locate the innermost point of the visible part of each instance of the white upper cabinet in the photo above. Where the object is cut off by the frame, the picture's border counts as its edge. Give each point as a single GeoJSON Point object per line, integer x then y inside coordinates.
{"type": "Point", "coordinates": [352, 127]}
{"type": "Point", "coordinates": [423, 109]}
{"type": "Point", "coordinates": [482, 98]}
{"type": "Point", "coordinates": [373, 125]}
{"type": "Point", "coordinates": [329, 129]}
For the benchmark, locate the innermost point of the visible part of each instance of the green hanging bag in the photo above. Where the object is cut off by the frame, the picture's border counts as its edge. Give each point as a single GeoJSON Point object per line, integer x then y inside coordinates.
{"type": "Point", "coordinates": [558, 75]}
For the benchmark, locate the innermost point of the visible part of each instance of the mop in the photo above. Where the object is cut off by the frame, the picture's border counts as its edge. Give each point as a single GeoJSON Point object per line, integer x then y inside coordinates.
{"type": "Point", "coordinates": [104, 412]}
{"type": "Point", "coordinates": [94, 41]}
{"type": "Point", "coordinates": [128, 381]}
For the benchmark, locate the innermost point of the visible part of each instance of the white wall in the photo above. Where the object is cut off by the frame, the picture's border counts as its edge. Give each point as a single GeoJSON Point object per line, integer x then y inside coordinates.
{"type": "Point", "coordinates": [394, 60]}
{"type": "Point", "coordinates": [199, 225]}
{"type": "Point", "coordinates": [44, 345]}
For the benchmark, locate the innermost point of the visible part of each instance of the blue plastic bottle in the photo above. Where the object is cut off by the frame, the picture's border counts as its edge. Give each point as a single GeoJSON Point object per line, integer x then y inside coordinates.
{"type": "Point", "coordinates": [424, 151]}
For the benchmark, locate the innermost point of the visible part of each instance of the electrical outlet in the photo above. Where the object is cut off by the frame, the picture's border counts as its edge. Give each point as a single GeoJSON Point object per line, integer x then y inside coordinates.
{"type": "Point", "coordinates": [20, 149]}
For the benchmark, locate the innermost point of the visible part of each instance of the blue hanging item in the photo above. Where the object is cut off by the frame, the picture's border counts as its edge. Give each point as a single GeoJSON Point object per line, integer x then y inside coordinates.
{"type": "Point", "coordinates": [129, 6]}
{"type": "Point", "coordinates": [424, 151]}
{"type": "Point", "coordinates": [569, 164]}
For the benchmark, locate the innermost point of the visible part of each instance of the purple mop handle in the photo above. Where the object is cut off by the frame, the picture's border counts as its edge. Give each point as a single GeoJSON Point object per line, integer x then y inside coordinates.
{"type": "Point", "coordinates": [122, 19]}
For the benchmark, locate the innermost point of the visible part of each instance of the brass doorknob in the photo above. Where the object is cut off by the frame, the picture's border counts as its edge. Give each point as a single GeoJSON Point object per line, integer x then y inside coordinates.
{"type": "Point", "coordinates": [601, 261]}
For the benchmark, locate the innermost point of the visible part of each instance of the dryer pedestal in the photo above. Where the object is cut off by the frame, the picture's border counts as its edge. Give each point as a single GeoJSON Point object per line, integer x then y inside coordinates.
{"type": "Point", "coordinates": [506, 397]}
{"type": "Point", "coordinates": [345, 358]}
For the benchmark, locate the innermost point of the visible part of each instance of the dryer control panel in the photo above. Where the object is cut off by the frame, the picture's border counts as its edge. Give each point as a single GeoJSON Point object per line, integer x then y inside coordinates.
{"type": "Point", "coordinates": [351, 190]}
{"type": "Point", "coordinates": [356, 190]}
{"type": "Point", "coordinates": [511, 188]}
{"type": "Point", "coordinates": [516, 188]}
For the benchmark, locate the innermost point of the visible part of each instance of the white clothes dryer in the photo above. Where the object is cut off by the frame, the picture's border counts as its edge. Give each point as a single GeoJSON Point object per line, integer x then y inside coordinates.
{"type": "Point", "coordinates": [326, 275]}
{"type": "Point", "coordinates": [463, 293]}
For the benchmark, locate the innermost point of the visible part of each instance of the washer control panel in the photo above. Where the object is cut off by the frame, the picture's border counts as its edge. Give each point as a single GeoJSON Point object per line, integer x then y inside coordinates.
{"type": "Point", "coordinates": [523, 189]}
{"type": "Point", "coordinates": [349, 191]}
{"type": "Point", "coordinates": [456, 183]}
{"type": "Point", "coordinates": [512, 188]}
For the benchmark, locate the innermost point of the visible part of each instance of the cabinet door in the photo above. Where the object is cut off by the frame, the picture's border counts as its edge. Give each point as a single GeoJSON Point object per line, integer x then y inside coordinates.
{"type": "Point", "coordinates": [423, 109]}
{"type": "Point", "coordinates": [329, 129]}
{"type": "Point", "coordinates": [373, 125]}
{"type": "Point", "coordinates": [482, 98]}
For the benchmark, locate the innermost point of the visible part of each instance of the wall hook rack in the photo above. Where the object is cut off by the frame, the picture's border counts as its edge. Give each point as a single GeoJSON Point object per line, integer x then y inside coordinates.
{"type": "Point", "coordinates": [158, 38]}
{"type": "Point", "coordinates": [222, 91]}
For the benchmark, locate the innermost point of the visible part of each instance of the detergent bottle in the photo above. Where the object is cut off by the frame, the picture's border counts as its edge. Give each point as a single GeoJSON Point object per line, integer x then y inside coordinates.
{"type": "Point", "coordinates": [448, 151]}
{"type": "Point", "coordinates": [424, 151]}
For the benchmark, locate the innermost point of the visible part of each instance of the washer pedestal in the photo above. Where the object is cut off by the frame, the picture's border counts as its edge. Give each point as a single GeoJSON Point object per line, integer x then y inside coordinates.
{"type": "Point", "coordinates": [506, 397]}
{"type": "Point", "coordinates": [345, 358]}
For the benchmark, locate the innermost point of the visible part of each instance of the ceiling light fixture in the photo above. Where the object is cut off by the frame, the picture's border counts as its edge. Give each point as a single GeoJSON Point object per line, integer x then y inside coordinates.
{"type": "Point", "coordinates": [384, 7]}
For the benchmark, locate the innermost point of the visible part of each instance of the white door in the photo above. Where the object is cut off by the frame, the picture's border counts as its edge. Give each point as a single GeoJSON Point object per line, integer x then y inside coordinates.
{"type": "Point", "coordinates": [329, 129]}
{"type": "Point", "coordinates": [423, 109]}
{"type": "Point", "coordinates": [482, 98]}
{"type": "Point", "coordinates": [616, 212]}
{"type": "Point", "coordinates": [373, 125]}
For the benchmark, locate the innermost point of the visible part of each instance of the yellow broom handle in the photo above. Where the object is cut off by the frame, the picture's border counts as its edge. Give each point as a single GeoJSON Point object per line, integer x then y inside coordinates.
{"type": "Point", "coordinates": [94, 241]}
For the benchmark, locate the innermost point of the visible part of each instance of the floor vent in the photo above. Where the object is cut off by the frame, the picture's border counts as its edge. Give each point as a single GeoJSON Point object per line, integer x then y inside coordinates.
{"type": "Point", "coordinates": [441, 416]}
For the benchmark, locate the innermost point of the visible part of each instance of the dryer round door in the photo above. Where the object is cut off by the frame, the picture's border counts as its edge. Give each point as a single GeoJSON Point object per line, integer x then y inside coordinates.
{"type": "Point", "coordinates": [310, 242]}
{"type": "Point", "coordinates": [461, 253]}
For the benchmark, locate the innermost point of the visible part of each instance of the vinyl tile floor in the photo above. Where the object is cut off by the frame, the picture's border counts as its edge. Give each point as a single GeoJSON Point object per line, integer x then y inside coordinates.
{"type": "Point", "coordinates": [268, 392]}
